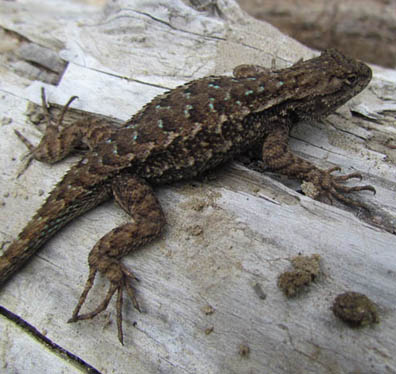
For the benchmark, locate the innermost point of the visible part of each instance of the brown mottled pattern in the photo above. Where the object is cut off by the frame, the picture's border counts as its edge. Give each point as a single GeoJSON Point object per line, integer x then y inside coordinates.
{"type": "Point", "coordinates": [179, 135]}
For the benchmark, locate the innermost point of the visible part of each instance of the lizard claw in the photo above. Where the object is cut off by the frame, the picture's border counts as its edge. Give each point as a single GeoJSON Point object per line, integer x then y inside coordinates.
{"type": "Point", "coordinates": [29, 156]}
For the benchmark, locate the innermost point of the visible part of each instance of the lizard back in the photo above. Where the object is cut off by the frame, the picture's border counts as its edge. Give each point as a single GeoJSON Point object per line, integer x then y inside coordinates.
{"type": "Point", "coordinates": [198, 125]}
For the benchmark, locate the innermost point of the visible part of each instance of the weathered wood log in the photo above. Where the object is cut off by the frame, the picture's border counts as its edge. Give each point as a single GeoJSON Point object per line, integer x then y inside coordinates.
{"type": "Point", "coordinates": [224, 235]}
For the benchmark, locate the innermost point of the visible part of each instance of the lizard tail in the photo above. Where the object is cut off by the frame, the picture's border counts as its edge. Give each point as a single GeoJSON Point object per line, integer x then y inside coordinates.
{"type": "Point", "coordinates": [18, 253]}
{"type": "Point", "coordinates": [50, 218]}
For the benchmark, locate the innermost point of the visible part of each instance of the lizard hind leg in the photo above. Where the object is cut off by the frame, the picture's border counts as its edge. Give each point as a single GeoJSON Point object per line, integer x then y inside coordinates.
{"type": "Point", "coordinates": [42, 152]}
{"type": "Point", "coordinates": [136, 198]}
{"type": "Point", "coordinates": [60, 140]}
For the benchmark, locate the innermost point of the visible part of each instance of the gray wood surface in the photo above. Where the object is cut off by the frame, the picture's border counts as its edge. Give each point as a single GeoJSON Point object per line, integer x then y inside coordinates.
{"type": "Point", "coordinates": [224, 234]}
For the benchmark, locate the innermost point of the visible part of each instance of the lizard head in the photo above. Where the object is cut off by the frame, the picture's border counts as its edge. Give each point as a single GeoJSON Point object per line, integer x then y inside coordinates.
{"type": "Point", "coordinates": [334, 79]}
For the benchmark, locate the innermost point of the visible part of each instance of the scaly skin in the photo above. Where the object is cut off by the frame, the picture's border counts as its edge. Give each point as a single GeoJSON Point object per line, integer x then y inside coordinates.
{"type": "Point", "coordinates": [179, 135]}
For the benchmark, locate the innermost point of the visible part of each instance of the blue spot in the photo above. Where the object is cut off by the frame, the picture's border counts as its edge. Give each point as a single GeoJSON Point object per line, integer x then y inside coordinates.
{"type": "Point", "coordinates": [211, 107]}
{"type": "Point", "coordinates": [213, 85]}
{"type": "Point", "coordinates": [108, 141]}
{"type": "Point", "coordinates": [187, 109]}
{"type": "Point", "coordinates": [212, 99]}
{"type": "Point", "coordinates": [159, 106]}
{"type": "Point", "coordinates": [135, 137]}
{"type": "Point", "coordinates": [280, 84]}
{"type": "Point", "coordinates": [238, 102]}
{"type": "Point", "coordinates": [249, 92]}
{"type": "Point", "coordinates": [160, 124]}
{"type": "Point", "coordinates": [261, 89]}
{"type": "Point", "coordinates": [251, 78]}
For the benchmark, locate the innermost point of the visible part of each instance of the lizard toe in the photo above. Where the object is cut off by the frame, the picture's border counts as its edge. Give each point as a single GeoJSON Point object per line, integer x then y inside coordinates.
{"type": "Point", "coordinates": [119, 277]}
{"type": "Point", "coordinates": [330, 186]}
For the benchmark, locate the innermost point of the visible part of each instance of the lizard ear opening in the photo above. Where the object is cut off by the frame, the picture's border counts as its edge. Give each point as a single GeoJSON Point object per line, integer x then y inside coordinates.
{"type": "Point", "coordinates": [294, 117]}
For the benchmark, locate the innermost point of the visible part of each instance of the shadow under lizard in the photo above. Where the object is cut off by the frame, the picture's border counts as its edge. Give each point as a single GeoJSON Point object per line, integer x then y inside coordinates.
{"type": "Point", "coordinates": [179, 135]}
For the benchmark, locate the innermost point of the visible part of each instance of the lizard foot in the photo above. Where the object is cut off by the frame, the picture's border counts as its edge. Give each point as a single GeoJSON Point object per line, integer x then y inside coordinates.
{"type": "Point", "coordinates": [330, 186]}
{"type": "Point", "coordinates": [121, 277]}
{"type": "Point", "coordinates": [41, 152]}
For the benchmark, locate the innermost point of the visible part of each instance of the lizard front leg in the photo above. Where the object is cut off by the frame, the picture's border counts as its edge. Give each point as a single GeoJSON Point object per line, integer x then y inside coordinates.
{"type": "Point", "coordinates": [136, 197]}
{"type": "Point", "coordinates": [278, 157]}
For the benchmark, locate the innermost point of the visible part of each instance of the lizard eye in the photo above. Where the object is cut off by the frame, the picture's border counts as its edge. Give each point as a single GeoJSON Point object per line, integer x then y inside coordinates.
{"type": "Point", "coordinates": [351, 80]}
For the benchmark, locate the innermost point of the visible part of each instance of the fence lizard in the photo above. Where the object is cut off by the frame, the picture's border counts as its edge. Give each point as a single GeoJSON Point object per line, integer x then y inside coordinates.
{"type": "Point", "coordinates": [179, 135]}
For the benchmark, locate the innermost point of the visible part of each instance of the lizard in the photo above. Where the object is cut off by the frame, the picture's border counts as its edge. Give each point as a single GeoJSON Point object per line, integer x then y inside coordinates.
{"type": "Point", "coordinates": [180, 135]}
